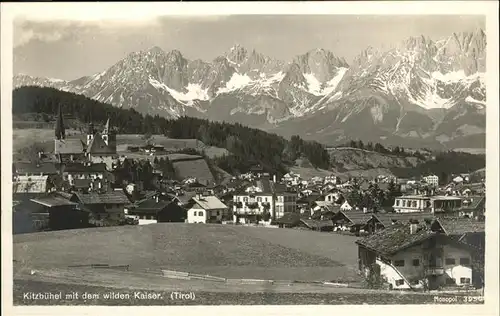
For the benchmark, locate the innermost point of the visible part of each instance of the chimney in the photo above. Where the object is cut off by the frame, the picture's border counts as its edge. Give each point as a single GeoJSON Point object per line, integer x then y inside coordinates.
{"type": "Point", "coordinates": [274, 178]}
{"type": "Point", "coordinates": [413, 228]}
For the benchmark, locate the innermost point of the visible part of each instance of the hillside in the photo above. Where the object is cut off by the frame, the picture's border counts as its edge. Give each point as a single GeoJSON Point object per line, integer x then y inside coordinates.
{"type": "Point", "coordinates": [357, 162]}
{"type": "Point", "coordinates": [444, 165]}
{"type": "Point", "coordinates": [247, 146]}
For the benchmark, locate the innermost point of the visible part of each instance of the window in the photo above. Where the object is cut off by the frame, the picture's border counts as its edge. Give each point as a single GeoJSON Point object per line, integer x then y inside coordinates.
{"type": "Point", "coordinates": [238, 198]}
{"type": "Point", "coordinates": [464, 261]}
{"type": "Point", "coordinates": [449, 261]}
{"type": "Point", "coordinates": [200, 213]}
{"type": "Point", "coordinates": [259, 199]}
{"type": "Point", "coordinates": [404, 203]}
{"type": "Point", "coordinates": [451, 281]}
{"type": "Point", "coordinates": [265, 199]}
{"type": "Point", "coordinates": [416, 262]}
{"type": "Point", "coordinates": [245, 199]}
{"type": "Point", "coordinates": [400, 282]}
{"type": "Point", "coordinates": [465, 280]}
{"type": "Point", "coordinates": [399, 263]}
{"type": "Point", "coordinates": [415, 282]}
{"type": "Point", "coordinates": [218, 213]}
{"type": "Point", "coordinates": [397, 202]}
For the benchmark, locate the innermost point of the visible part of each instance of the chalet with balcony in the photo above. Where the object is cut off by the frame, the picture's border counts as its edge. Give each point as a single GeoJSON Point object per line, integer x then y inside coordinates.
{"type": "Point", "coordinates": [415, 256]}
{"type": "Point", "coordinates": [263, 200]}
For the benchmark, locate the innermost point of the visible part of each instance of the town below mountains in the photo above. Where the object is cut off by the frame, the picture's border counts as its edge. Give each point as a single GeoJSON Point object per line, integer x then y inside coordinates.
{"type": "Point", "coordinates": [420, 93]}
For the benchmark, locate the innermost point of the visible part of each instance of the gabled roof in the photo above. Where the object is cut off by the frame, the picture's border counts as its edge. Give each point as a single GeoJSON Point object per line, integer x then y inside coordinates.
{"type": "Point", "coordinates": [53, 201]}
{"type": "Point", "coordinates": [151, 205]}
{"type": "Point", "coordinates": [387, 219]}
{"type": "Point", "coordinates": [69, 146]}
{"type": "Point", "coordinates": [82, 183]}
{"type": "Point", "coordinates": [394, 239]}
{"type": "Point", "coordinates": [45, 168]}
{"type": "Point", "coordinates": [98, 146]}
{"type": "Point", "coordinates": [460, 226]}
{"type": "Point", "coordinates": [30, 184]}
{"type": "Point", "coordinates": [289, 219]}
{"type": "Point", "coordinates": [79, 167]}
{"type": "Point", "coordinates": [316, 224]}
{"type": "Point", "coordinates": [209, 202]}
{"type": "Point", "coordinates": [355, 217]}
{"type": "Point", "coordinates": [476, 203]}
{"type": "Point", "coordinates": [113, 197]}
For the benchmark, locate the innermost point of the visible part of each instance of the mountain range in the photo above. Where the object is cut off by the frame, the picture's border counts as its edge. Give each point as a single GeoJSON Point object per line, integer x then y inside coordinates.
{"type": "Point", "coordinates": [419, 93]}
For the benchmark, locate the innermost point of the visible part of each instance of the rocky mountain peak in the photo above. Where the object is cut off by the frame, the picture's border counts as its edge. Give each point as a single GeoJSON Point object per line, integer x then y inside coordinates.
{"type": "Point", "coordinates": [237, 54]}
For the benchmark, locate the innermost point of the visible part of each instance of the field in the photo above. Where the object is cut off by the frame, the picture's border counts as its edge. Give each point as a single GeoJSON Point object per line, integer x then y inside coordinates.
{"type": "Point", "coordinates": [220, 250]}
{"type": "Point", "coordinates": [26, 137]}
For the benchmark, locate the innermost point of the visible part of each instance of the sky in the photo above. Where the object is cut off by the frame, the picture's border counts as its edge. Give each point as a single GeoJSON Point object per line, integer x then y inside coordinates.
{"type": "Point", "coordinates": [72, 48]}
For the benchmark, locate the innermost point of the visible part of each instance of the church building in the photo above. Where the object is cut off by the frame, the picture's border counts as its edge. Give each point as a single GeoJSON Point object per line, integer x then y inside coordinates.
{"type": "Point", "coordinates": [99, 147]}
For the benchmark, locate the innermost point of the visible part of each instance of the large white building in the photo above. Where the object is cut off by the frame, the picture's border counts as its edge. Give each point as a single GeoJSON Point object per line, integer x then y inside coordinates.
{"type": "Point", "coordinates": [431, 179]}
{"type": "Point", "coordinates": [263, 200]}
{"type": "Point", "coordinates": [422, 203]}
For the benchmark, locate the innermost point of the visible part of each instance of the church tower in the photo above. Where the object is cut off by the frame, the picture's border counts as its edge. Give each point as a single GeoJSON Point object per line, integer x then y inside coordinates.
{"type": "Point", "coordinates": [90, 133]}
{"type": "Point", "coordinates": [60, 132]}
{"type": "Point", "coordinates": [105, 133]}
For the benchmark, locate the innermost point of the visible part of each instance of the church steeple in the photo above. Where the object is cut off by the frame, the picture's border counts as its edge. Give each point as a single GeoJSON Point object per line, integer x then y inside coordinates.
{"type": "Point", "coordinates": [59, 130]}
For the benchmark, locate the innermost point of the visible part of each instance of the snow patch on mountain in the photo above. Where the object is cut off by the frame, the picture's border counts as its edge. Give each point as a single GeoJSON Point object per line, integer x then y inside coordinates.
{"type": "Point", "coordinates": [332, 84]}
{"type": "Point", "coordinates": [313, 84]}
{"type": "Point", "coordinates": [457, 76]}
{"type": "Point", "coordinates": [477, 102]}
{"type": "Point", "coordinates": [236, 82]}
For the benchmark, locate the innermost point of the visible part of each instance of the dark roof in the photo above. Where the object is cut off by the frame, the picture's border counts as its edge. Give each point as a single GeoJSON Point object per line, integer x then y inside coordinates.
{"type": "Point", "coordinates": [289, 219]}
{"type": "Point", "coordinates": [151, 205]}
{"type": "Point", "coordinates": [308, 199]}
{"type": "Point", "coordinates": [357, 217]}
{"type": "Point", "coordinates": [82, 183]}
{"type": "Point", "coordinates": [476, 203]}
{"type": "Point", "coordinates": [460, 226]}
{"type": "Point", "coordinates": [45, 168]}
{"type": "Point", "coordinates": [114, 197]}
{"type": "Point", "coordinates": [394, 239]}
{"type": "Point", "coordinates": [317, 224]}
{"type": "Point", "coordinates": [387, 219]}
{"type": "Point", "coordinates": [98, 146]}
{"type": "Point", "coordinates": [69, 146]}
{"type": "Point", "coordinates": [265, 185]}
{"type": "Point", "coordinates": [53, 200]}
{"type": "Point", "coordinates": [79, 167]}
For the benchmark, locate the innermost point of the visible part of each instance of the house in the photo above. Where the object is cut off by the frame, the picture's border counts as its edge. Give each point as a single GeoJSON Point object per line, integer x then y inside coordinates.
{"type": "Point", "coordinates": [346, 206]}
{"type": "Point", "coordinates": [317, 225]}
{"type": "Point", "coordinates": [106, 209]}
{"type": "Point", "coordinates": [380, 221]}
{"type": "Point", "coordinates": [413, 256]}
{"type": "Point", "coordinates": [207, 209]}
{"type": "Point", "coordinates": [156, 210]}
{"type": "Point", "coordinates": [34, 169]}
{"type": "Point", "coordinates": [306, 204]}
{"type": "Point", "coordinates": [62, 212]}
{"type": "Point", "coordinates": [458, 179]}
{"type": "Point", "coordinates": [445, 204]}
{"type": "Point", "coordinates": [31, 184]}
{"type": "Point", "coordinates": [353, 221]}
{"type": "Point", "coordinates": [289, 220]}
{"type": "Point", "coordinates": [264, 198]}
{"type": "Point", "coordinates": [80, 171]}
{"type": "Point", "coordinates": [473, 207]}
{"type": "Point", "coordinates": [412, 203]}
{"type": "Point", "coordinates": [431, 179]}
